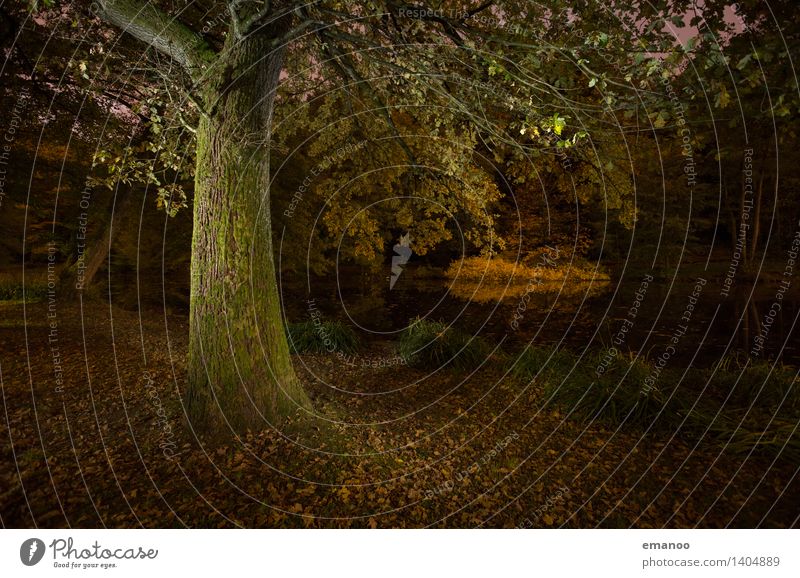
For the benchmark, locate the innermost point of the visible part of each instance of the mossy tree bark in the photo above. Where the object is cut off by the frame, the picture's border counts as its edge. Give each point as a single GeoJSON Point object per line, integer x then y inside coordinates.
{"type": "Point", "coordinates": [240, 372]}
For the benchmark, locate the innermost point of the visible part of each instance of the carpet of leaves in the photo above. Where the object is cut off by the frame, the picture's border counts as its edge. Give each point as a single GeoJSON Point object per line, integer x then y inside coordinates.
{"type": "Point", "coordinates": [391, 446]}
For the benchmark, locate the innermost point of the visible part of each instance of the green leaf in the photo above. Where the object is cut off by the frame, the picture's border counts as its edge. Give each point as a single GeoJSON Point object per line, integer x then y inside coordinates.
{"type": "Point", "coordinates": [558, 124]}
{"type": "Point", "coordinates": [744, 61]}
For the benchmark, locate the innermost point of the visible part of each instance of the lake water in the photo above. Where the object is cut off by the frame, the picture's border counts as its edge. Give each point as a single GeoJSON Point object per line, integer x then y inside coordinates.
{"type": "Point", "coordinates": [632, 314]}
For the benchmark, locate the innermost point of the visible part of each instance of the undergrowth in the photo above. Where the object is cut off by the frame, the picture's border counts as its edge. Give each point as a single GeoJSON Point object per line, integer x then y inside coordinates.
{"type": "Point", "coordinates": [433, 345]}
{"type": "Point", "coordinates": [748, 407]}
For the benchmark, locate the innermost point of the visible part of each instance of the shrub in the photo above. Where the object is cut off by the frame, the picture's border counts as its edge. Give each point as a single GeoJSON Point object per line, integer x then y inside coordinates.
{"type": "Point", "coordinates": [434, 345]}
{"type": "Point", "coordinates": [316, 336]}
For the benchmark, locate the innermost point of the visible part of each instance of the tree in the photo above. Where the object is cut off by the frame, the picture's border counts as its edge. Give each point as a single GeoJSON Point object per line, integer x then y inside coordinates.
{"type": "Point", "coordinates": [534, 61]}
{"type": "Point", "coordinates": [748, 85]}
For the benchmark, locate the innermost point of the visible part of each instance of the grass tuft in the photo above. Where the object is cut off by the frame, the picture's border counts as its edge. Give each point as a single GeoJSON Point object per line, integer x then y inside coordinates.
{"type": "Point", "coordinates": [35, 288]}
{"type": "Point", "coordinates": [321, 337]}
{"type": "Point", "coordinates": [433, 345]}
{"type": "Point", "coordinates": [744, 409]}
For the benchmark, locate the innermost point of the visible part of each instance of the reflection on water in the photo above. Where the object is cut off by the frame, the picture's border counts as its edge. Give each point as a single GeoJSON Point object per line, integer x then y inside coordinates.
{"type": "Point", "coordinates": [489, 293]}
{"type": "Point", "coordinates": [573, 313]}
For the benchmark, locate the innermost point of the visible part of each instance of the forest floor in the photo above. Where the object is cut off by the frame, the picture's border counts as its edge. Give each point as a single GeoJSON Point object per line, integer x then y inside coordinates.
{"type": "Point", "coordinates": [392, 446]}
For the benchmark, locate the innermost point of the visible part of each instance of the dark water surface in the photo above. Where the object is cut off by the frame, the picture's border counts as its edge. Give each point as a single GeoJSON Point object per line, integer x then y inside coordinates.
{"type": "Point", "coordinates": [634, 314]}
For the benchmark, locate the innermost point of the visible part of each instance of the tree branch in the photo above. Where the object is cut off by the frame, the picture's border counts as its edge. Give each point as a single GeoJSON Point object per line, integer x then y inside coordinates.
{"type": "Point", "coordinates": [257, 17]}
{"type": "Point", "coordinates": [145, 22]}
{"type": "Point", "coordinates": [346, 67]}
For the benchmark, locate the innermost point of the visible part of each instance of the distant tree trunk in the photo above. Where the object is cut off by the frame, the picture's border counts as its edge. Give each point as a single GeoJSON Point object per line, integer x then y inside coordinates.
{"type": "Point", "coordinates": [80, 274]}
{"type": "Point", "coordinates": [740, 229]}
{"type": "Point", "coordinates": [757, 217]}
{"type": "Point", "coordinates": [732, 221]}
{"type": "Point", "coordinates": [240, 372]}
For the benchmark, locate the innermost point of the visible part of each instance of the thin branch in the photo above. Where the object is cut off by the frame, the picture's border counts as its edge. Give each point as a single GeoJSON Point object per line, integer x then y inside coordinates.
{"type": "Point", "coordinates": [480, 8]}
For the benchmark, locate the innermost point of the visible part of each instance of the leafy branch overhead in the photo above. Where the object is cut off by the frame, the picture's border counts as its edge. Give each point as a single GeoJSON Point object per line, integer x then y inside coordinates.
{"type": "Point", "coordinates": [511, 82]}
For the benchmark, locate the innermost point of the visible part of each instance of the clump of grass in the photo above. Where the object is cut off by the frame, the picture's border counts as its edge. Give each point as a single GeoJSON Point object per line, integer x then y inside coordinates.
{"type": "Point", "coordinates": [748, 421]}
{"type": "Point", "coordinates": [316, 336]}
{"type": "Point", "coordinates": [758, 384]}
{"type": "Point", "coordinates": [433, 345]}
{"type": "Point", "coordinates": [543, 361]}
{"type": "Point", "coordinates": [34, 289]}
{"type": "Point", "coordinates": [615, 395]}
{"type": "Point", "coordinates": [779, 438]}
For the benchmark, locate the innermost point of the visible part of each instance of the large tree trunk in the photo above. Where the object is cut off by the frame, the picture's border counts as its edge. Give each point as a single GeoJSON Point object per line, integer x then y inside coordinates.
{"type": "Point", "coordinates": [240, 372]}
